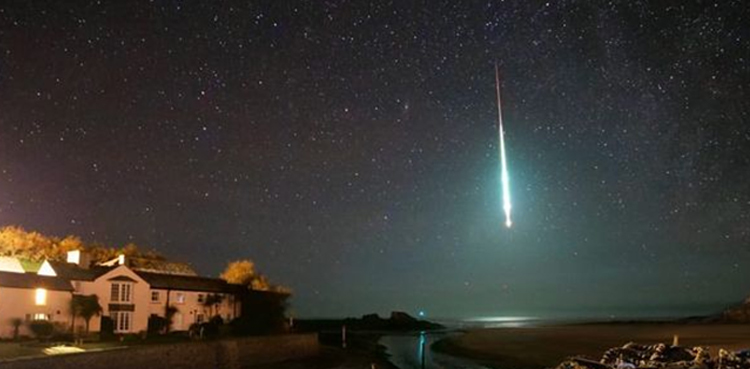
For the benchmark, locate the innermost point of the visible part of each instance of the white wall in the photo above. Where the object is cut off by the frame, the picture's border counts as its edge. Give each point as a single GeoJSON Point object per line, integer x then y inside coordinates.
{"type": "Point", "coordinates": [102, 288]}
{"type": "Point", "coordinates": [18, 302]}
{"type": "Point", "coordinates": [189, 309]}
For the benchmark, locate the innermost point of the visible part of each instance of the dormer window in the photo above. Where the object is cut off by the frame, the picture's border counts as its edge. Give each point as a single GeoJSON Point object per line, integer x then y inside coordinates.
{"type": "Point", "coordinates": [121, 292]}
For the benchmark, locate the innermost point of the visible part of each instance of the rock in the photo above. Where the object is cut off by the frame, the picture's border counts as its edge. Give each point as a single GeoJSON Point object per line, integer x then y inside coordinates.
{"type": "Point", "coordinates": [582, 363]}
{"type": "Point", "coordinates": [402, 317]}
{"type": "Point", "coordinates": [660, 356]}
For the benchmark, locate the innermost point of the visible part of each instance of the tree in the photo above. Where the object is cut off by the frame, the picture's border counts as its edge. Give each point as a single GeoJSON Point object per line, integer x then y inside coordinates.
{"type": "Point", "coordinates": [16, 323]}
{"type": "Point", "coordinates": [243, 272]}
{"type": "Point", "coordinates": [211, 301]}
{"type": "Point", "coordinates": [85, 306]}
{"type": "Point", "coordinates": [18, 242]}
{"type": "Point", "coordinates": [239, 272]}
{"type": "Point", "coordinates": [69, 243]}
{"type": "Point", "coordinates": [169, 313]}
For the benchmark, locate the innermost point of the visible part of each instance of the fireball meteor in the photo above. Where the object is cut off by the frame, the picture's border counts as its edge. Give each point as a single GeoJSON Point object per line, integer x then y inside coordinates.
{"type": "Point", "coordinates": [504, 181]}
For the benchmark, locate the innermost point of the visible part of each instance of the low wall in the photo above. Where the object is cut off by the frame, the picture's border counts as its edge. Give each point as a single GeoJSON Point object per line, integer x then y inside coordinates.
{"type": "Point", "coordinates": [229, 354]}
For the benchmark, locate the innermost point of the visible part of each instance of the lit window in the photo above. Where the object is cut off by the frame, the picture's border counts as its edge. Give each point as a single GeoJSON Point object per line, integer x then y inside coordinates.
{"type": "Point", "coordinates": [40, 316]}
{"type": "Point", "coordinates": [40, 297]}
{"type": "Point", "coordinates": [180, 297]}
{"type": "Point", "coordinates": [154, 296]}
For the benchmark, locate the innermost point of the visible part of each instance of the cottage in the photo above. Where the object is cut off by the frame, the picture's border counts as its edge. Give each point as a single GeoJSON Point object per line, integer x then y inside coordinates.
{"type": "Point", "coordinates": [25, 297]}
{"type": "Point", "coordinates": [128, 294]}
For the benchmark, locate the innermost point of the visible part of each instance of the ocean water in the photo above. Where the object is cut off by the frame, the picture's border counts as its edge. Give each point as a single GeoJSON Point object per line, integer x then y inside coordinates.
{"type": "Point", "coordinates": [412, 351]}
{"type": "Point", "coordinates": [572, 316]}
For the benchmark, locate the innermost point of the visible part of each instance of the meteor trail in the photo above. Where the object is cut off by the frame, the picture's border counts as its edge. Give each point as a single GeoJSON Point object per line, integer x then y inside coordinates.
{"type": "Point", "coordinates": [503, 161]}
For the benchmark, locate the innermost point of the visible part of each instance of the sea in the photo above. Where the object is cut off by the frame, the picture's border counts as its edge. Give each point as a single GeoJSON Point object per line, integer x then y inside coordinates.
{"type": "Point", "coordinates": [413, 350]}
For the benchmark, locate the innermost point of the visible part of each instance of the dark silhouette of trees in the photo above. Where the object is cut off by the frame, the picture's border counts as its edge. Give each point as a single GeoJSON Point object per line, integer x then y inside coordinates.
{"type": "Point", "coordinates": [85, 306]}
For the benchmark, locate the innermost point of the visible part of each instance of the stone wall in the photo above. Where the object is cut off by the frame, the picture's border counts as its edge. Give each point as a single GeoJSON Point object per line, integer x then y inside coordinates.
{"type": "Point", "coordinates": [229, 354]}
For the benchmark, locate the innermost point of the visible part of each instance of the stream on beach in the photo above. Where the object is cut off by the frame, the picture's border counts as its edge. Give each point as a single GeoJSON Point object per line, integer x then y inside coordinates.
{"type": "Point", "coordinates": [412, 351]}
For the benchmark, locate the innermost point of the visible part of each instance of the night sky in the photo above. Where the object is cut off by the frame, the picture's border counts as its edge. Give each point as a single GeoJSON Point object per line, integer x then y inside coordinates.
{"type": "Point", "coordinates": [350, 148]}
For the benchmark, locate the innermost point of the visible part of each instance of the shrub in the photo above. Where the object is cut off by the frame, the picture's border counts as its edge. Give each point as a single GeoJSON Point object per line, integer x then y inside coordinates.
{"type": "Point", "coordinates": [107, 330]}
{"type": "Point", "coordinates": [42, 329]}
{"type": "Point", "coordinates": [156, 325]}
{"type": "Point", "coordinates": [209, 329]}
{"type": "Point", "coordinates": [216, 320]}
{"type": "Point", "coordinates": [16, 323]}
{"type": "Point", "coordinates": [262, 313]}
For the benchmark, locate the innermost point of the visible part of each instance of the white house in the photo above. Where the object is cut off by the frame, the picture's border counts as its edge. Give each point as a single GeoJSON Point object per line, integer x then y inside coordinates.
{"type": "Point", "coordinates": [127, 294]}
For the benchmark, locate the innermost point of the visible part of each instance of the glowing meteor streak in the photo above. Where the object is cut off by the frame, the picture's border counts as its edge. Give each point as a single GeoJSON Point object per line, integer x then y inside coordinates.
{"type": "Point", "coordinates": [503, 161]}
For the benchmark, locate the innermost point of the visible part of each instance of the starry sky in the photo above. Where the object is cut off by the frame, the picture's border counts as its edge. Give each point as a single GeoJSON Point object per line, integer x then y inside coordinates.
{"type": "Point", "coordinates": [350, 147]}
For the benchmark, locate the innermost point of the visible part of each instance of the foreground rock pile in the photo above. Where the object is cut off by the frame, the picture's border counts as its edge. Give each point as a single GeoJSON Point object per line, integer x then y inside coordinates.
{"type": "Point", "coordinates": [661, 356]}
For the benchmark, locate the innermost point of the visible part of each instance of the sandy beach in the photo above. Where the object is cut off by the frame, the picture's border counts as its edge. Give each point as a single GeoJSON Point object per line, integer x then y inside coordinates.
{"type": "Point", "coordinates": [540, 347]}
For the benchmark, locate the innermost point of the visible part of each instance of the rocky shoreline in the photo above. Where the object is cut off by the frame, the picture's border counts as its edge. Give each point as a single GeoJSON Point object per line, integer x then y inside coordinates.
{"type": "Point", "coordinates": [636, 356]}
{"type": "Point", "coordinates": [548, 346]}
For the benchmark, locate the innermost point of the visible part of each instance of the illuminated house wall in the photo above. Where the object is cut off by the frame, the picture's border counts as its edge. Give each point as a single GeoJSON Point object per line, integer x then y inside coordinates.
{"type": "Point", "coordinates": [29, 297]}
{"type": "Point", "coordinates": [136, 296]}
{"type": "Point", "coordinates": [189, 307]}
{"type": "Point", "coordinates": [136, 305]}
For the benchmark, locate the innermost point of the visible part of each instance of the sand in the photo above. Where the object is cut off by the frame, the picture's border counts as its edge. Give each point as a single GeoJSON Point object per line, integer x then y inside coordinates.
{"type": "Point", "coordinates": [540, 347]}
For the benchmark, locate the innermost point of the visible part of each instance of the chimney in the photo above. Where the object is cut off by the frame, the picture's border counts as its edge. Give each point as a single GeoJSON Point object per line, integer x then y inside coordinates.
{"type": "Point", "coordinates": [80, 258]}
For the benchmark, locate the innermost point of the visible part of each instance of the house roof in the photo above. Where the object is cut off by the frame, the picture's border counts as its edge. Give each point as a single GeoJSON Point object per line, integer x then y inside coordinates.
{"type": "Point", "coordinates": [29, 280]}
{"type": "Point", "coordinates": [160, 266]}
{"type": "Point", "coordinates": [30, 266]}
{"type": "Point", "coordinates": [74, 272]}
{"type": "Point", "coordinates": [10, 264]}
{"type": "Point", "coordinates": [188, 283]}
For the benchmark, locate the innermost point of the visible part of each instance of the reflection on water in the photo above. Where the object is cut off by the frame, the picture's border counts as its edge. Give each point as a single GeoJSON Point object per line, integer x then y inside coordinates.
{"type": "Point", "coordinates": [420, 351]}
{"type": "Point", "coordinates": [412, 351]}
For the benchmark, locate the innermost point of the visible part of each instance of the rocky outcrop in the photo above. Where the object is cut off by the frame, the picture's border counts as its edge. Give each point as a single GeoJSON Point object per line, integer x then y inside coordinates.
{"type": "Point", "coordinates": [736, 314]}
{"type": "Point", "coordinates": [660, 356]}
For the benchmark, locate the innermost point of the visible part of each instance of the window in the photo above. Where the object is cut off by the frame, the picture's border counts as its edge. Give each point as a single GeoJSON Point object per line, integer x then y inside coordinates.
{"type": "Point", "coordinates": [154, 296]}
{"type": "Point", "coordinates": [200, 297]}
{"type": "Point", "coordinates": [125, 292]}
{"type": "Point", "coordinates": [122, 320]}
{"type": "Point", "coordinates": [40, 297]}
{"type": "Point", "coordinates": [121, 292]}
{"type": "Point", "coordinates": [180, 297]}
{"type": "Point", "coordinates": [40, 316]}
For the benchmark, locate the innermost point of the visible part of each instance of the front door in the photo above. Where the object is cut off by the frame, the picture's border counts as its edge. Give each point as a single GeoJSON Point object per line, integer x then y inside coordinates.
{"type": "Point", "coordinates": [177, 321]}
